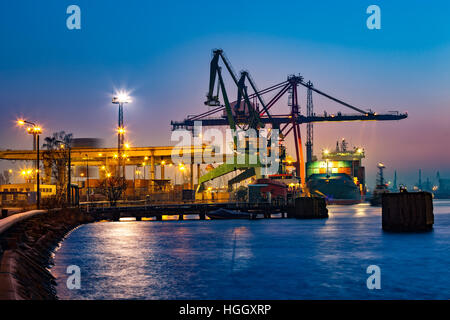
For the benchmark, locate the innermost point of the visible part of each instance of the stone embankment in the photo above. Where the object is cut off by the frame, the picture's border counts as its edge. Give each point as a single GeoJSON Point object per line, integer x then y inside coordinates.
{"type": "Point", "coordinates": [27, 241]}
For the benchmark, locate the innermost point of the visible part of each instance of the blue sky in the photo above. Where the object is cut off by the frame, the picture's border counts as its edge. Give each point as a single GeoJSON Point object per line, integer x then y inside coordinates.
{"type": "Point", "coordinates": [161, 51]}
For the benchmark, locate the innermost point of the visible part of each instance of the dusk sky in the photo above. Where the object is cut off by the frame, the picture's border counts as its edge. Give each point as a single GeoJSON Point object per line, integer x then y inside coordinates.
{"type": "Point", "coordinates": [160, 52]}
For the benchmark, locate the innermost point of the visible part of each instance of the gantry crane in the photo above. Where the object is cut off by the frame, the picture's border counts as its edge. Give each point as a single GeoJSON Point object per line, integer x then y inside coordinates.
{"type": "Point", "coordinates": [244, 114]}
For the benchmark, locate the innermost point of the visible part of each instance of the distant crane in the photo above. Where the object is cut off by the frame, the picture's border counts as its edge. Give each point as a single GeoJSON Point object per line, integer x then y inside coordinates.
{"type": "Point", "coordinates": [394, 187]}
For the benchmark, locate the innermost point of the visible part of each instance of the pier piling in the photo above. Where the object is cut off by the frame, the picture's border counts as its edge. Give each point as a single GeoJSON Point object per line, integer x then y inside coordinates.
{"type": "Point", "coordinates": [309, 208]}
{"type": "Point", "coordinates": [407, 212]}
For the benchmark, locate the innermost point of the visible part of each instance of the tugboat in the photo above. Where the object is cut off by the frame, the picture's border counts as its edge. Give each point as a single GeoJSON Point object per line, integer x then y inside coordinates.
{"type": "Point", "coordinates": [381, 187]}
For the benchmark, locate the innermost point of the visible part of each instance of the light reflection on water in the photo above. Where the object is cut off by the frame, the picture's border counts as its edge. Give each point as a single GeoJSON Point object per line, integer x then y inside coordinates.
{"type": "Point", "coordinates": [264, 259]}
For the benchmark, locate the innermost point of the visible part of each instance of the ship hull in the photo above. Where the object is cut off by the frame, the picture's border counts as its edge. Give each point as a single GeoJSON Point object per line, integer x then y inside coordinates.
{"type": "Point", "coordinates": [335, 188]}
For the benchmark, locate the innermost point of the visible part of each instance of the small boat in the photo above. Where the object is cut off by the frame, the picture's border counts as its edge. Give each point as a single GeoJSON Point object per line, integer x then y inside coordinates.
{"type": "Point", "coordinates": [221, 214]}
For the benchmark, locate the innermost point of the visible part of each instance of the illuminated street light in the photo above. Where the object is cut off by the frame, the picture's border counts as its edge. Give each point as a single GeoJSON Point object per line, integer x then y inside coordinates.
{"type": "Point", "coordinates": [35, 130]}
{"type": "Point", "coordinates": [120, 99]}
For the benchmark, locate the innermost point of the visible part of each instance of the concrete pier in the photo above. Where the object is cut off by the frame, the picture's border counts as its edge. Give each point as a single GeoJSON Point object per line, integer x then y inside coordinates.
{"type": "Point", "coordinates": [302, 208]}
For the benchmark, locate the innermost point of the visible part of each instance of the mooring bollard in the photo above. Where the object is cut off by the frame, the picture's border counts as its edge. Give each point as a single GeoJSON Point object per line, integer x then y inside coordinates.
{"type": "Point", "coordinates": [309, 208]}
{"type": "Point", "coordinates": [407, 211]}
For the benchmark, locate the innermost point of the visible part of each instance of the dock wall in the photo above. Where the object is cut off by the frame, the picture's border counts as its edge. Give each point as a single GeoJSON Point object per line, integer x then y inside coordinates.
{"type": "Point", "coordinates": [27, 241]}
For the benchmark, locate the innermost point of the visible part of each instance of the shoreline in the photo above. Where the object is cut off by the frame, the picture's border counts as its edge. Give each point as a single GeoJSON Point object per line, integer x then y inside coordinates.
{"type": "Point", "coordinates": [26, 250]}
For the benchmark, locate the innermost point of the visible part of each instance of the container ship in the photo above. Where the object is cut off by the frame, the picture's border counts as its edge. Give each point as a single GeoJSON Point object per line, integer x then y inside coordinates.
{"type": "Point", "coordinates": [339, 176]}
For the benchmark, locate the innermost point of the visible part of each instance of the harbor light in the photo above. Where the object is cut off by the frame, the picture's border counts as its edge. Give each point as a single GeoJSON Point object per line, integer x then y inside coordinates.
{"type": "Point", "coordinates": [121, 97]}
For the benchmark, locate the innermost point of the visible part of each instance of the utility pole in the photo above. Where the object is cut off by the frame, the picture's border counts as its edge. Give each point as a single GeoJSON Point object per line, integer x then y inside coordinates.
{"type": "Point", "coordinates": [38, 184]}
{"type": "Point", "coordinates": [87, 178]}
{"type": "Point", "coordinates": [35, 131]}
{"type": "Point", "coordinates": [120, 99]}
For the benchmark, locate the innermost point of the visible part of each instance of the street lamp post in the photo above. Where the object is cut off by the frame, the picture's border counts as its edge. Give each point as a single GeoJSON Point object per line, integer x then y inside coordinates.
{"type": "Point", "coordinates": [120, 99]}
{"type": "Point", "coordinates": [87, 178]}
{"type": "Point", "coordinates": [35, 130]}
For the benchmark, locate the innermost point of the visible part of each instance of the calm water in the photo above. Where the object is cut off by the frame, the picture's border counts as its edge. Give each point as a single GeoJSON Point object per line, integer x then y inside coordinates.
{"type": "Point", "coordinates": [264, 259]}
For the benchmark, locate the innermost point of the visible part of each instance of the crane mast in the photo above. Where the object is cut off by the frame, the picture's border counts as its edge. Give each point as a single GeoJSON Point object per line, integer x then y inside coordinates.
{"type": "Point", "coordinates": [309, 126]}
